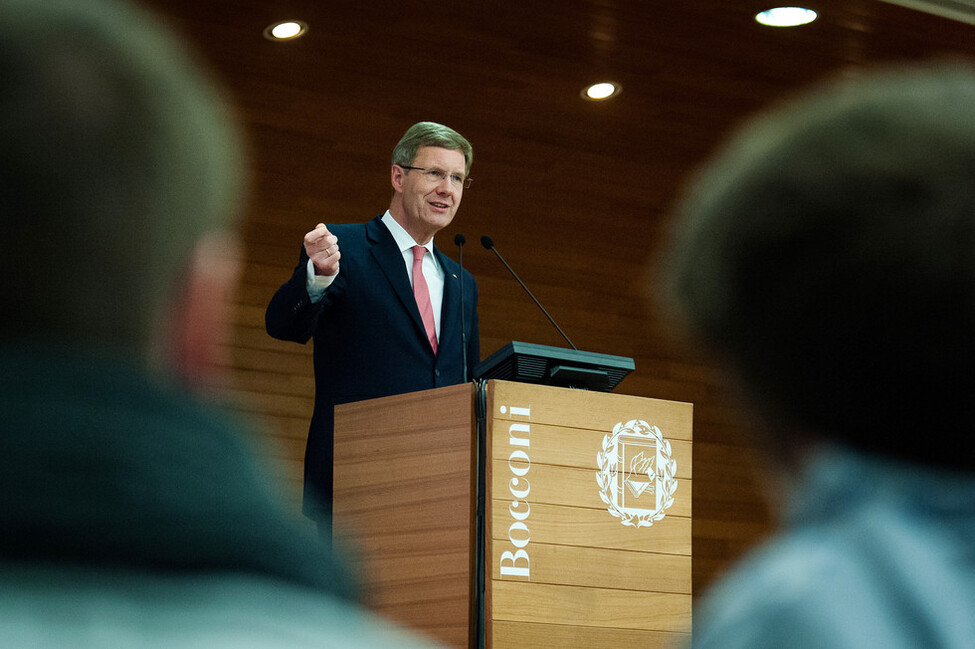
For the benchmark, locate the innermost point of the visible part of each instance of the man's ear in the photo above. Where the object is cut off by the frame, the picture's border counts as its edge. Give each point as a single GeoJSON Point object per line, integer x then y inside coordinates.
{"type": "Point", "coordinates": [396, 175]}
{"type": "Point", "coordinates": [200, 320]}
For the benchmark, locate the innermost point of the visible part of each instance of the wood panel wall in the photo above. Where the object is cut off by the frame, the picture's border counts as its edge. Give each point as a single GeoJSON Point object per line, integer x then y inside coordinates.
{"type": "Point", "coordinates": [576, 195]}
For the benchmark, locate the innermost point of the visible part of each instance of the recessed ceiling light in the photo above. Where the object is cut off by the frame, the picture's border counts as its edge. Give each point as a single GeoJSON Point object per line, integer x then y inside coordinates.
{"type": "Point", "coordinates": [285, 30]}
{"type": "Point", "coordinates": [786, 16]}
{"type": "Point", "coordinates": [602, 90]}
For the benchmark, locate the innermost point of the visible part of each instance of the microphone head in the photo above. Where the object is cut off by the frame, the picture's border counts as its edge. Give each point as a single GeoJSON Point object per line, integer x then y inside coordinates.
{"type": "Point", "coordinates": [487, 242]}
{"type": "Point", "coordinates": [459, 239]}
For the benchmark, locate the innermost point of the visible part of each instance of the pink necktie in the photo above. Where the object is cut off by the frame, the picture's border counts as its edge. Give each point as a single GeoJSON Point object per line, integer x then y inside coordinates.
{"type": "Point", "coordinates": [422, 295]}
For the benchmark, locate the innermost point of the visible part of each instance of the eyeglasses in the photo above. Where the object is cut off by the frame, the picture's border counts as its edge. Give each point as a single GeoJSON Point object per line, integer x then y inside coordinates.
{"type": "Point", "coordinates": [439, 175]}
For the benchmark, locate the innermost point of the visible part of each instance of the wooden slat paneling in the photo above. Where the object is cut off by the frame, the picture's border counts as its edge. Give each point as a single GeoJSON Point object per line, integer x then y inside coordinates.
{"type": "Point", "coordinates": [404, 499]}
{"type": "Point", "coordinates": [574, 563]}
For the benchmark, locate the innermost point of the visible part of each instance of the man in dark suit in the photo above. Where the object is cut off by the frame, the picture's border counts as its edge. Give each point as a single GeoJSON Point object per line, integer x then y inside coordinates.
{"type": "Point", "coordinates": [380, 327]}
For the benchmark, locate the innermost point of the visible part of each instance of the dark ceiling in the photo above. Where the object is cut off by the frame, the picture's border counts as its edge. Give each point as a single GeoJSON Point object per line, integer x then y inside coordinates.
{"type": "Point", "coordinates": [508, 75]}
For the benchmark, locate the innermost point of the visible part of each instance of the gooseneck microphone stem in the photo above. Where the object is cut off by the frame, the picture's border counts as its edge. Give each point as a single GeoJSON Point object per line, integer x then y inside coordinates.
{"type": "Point", "coordinates": [459, 241]}
{"type": "Point", "coordinates": [488, 243]}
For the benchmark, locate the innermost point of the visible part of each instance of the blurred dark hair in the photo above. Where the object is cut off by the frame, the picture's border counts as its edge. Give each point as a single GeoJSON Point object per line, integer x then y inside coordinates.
{"type": "Point", "coordinates": [116, 156]}
{"type": "Point", "coordinates": [828, 255]}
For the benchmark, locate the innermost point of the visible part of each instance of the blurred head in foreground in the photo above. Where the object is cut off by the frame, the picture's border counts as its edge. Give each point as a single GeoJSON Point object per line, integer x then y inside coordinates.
{"type": "Point", "coordinates": [827, 255]}
{"type": "Point", "coordinates": [119, 176]}
{"type": "Point", "coordinates": [133, 513]}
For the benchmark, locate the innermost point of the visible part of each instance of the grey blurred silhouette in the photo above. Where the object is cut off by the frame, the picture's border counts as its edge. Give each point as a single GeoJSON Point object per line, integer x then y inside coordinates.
{"type": "Point", "coordinates": [826, 256]}
{"type": "Point", "coordinates": [133, 513]}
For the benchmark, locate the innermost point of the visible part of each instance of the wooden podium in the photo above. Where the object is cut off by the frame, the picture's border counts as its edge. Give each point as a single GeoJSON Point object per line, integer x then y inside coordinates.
{"type": "Point", "coordinates": [514, 515]}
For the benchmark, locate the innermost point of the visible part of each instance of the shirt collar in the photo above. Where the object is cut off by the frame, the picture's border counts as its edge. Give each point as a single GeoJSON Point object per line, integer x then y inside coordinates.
{"type": "Point", "coordinates": [402, 237]}
{"type": "Point", "coordinates": [837, 480]}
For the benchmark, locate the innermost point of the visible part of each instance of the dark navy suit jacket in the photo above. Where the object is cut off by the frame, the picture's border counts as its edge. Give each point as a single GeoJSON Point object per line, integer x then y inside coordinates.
{"type": "Point", "coordinates": [369, 340]}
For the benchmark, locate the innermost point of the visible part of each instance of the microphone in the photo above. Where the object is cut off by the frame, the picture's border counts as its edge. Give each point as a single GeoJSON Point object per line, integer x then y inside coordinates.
{"type": "Point", "coordinates": [459, 241]}
{"type": "Point", "coordinates": [488, 243]}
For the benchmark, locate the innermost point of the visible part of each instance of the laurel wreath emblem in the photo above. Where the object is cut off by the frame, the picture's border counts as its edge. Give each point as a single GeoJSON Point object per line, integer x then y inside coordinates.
{"type": "Point", "coordinates": [608, 462]}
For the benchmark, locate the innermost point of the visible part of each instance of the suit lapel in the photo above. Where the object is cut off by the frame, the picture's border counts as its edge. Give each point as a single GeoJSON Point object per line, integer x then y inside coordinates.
{"type": "Point", "coordinates": [387, 255]}
{"type": "Point", "coordinates": [449, 312]}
